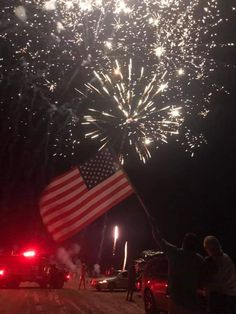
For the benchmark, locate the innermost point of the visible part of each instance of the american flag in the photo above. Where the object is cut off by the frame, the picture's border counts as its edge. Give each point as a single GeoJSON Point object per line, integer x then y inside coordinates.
{"type": "Point", "coordinates": [76, 198]}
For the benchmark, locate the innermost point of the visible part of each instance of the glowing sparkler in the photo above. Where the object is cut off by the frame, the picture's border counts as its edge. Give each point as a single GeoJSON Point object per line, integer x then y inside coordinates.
{"type": "Point", "coordinates": [138, 112]}
{"type": "Point", "coordinates": [116, 235]}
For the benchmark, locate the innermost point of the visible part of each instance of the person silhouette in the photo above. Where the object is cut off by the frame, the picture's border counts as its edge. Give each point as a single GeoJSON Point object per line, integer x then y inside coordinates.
{"type": "Point", "coordinates": [83, 272]}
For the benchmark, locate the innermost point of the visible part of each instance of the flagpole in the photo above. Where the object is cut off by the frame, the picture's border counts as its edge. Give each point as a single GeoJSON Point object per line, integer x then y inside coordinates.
{"type": "Point", "coordinates": [149, 217]}
{"type": "Point", "coordinates": [102, 239]}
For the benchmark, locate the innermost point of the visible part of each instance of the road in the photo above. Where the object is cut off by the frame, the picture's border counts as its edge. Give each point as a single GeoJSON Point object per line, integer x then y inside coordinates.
{"type": "Point", "coordinates": [32, 300]}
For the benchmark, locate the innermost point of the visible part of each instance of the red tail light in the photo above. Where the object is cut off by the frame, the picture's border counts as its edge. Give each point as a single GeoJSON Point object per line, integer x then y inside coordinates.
{"type": "Point", "coordinates": [29, 253]}
{"type": "Point", "coordinates": [161, 287]}
{"type": "Point", "coordinates": [138, 285]}
{"type": "Point", "coordinates": [68, 276]}
{"type": "Point", "coordinates": [2, 272]}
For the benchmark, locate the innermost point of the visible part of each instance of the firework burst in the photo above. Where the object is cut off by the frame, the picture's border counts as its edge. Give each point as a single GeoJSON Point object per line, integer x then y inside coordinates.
{"type": "Point", "coordinates": [133, 110]}
{"type": "Point", "coordinates": [169, 41]}
{"type": "Point", "coordinates": [52, 36]}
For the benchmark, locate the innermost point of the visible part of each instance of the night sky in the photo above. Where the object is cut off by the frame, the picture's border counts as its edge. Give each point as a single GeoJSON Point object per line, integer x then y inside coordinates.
{"type": "Point", "coordinates": [184, 193]}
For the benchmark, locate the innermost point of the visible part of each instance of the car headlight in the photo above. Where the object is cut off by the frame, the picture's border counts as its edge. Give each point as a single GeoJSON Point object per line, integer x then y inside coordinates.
{"type": "Point", "coordinates": [103, 281]}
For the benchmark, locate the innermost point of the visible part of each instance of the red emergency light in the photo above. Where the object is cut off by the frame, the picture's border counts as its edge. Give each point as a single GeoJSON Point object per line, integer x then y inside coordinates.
{"type": "Point", "coordinates": [2, 271]}
{"type": "Point", "coordinates": [29, 253]}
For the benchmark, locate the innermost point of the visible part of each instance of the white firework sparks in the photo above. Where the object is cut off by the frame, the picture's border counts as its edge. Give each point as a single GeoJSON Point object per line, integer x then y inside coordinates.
{"type": "Point", "coordinates": [137, 114]}
{"type": "Point", "coordinates": [54, 39]}
{"type": "Point", "coordinates": [167, 35]}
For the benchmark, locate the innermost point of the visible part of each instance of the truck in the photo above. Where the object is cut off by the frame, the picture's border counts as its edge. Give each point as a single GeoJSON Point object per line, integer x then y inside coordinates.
{"type": "Point", "coordinates": [30, 266]}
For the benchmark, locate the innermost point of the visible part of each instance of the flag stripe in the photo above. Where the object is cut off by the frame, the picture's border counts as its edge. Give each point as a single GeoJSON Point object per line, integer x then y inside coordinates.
{"type": "Point", "coordinates": [63, 178]}
{"type": "Point", "coordinates": [78, 197]}
{"type": "Point", "coordinates": [50, 190]}
{"type": "Point", "coordinates": [87, 194]}
{"type": "Point", "coordinates": [84, 210]}
{"type": "Point", "coordinates": [64, 199]}
{"type": "Point", "coordinates": [78, 225]}
{"type": "Point", "coordinates": [87, 203]}
{"type": "Point", "coordinates": [50, 197]}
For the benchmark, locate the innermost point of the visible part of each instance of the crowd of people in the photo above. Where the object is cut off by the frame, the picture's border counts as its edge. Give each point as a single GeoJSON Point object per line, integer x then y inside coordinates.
{"type": "Point", "coordinates": [190, 276]}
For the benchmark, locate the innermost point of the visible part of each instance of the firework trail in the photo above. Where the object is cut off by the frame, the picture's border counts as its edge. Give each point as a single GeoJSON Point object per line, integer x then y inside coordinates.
{"type": "Point", "coordinates": [116, 236]}
{"type": "Point", "coordinates": [125, 255]}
